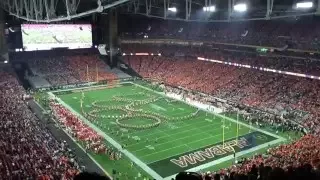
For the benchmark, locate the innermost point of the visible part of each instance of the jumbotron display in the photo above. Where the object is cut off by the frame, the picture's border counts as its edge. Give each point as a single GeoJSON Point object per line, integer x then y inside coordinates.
{"type": "Point", "coordinates": [49, 36]}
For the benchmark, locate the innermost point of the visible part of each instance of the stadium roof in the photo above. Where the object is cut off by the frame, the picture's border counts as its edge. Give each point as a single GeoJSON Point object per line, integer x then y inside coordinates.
{"type": "Point", "coordinates": [256, 9]}
{"type": "Point", "coordinates": [56, 10]}
{"type": "Point", "coordinates": [190, 10]}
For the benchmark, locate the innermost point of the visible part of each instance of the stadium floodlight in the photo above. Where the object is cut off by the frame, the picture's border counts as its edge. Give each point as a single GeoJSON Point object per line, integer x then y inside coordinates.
{"type": "Point", "coordinates": [209, 8]}
{"type": "Point", "coordinates": [304, 5]}
{"type": "Point", "coordinates": [172, 9]}
{"type": "Point", "coordinates": [242, 7]}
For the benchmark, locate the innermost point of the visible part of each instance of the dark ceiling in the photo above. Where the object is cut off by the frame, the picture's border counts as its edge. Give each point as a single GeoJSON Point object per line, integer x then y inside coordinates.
{"type": "Point", "coordinates": [256, 8]}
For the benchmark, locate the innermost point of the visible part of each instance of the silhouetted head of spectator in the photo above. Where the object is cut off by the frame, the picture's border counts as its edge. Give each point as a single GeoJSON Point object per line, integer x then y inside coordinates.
{"type": "Point", "coordinates": [216, 177]}
{"type": "Point", "coordinates": [90, 176]}
{"type": "Point", "coordinates": [188, 176]}
{"type": "Point", "coordinates": [277, 174]}
{"type": "Point", "coordinates": [254, 170]}
{"type": "Point", "coordinates": [208, 177]}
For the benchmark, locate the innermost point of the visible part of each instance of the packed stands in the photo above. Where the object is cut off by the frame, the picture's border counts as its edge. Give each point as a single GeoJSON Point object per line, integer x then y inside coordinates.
{"type": "Point", "coordinates": [301, 34]}
{"type": "Point", "coordinates": [271, 60]}
{"type": "Point", "coordinates": [293, 161]}
{"type": "Point", "coordinates": [27, 149]}
{"type": "Point", "coordinates": [93, 142]}
{"type": "Point", "coordinates": [71, 69]}
{"type": "Point", "coordinates": [265, 90]}
{"type": "Point", "coordinates": [273, 96]}
{"type": "Point", "coordinates": [95, 67]}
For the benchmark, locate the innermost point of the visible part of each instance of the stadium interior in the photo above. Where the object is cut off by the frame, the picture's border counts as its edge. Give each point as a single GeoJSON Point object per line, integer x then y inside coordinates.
{"type": "Point", "coordinates": [160, 89]}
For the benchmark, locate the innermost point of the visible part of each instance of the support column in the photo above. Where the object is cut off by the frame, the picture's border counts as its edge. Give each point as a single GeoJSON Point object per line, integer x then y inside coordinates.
{"type": "Point", "coordinates": [269, 8]}
{"type": "Point", "coordinates": [2, 33]}
{"type": "Point", "coordinates": [318, 7]}
{"type": "Point", "coordinates": [230, 9]}
{"type": "Point", "coordinates": [113, 36]}
{"type": "Point", "coordinates": [188, 9]}
{"type": "Point", "coordinates": [104, 28]}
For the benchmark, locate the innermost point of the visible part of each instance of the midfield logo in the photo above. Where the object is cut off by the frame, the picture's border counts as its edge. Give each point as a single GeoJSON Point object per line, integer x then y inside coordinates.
{"type": "Point", "coordinates": [210, 152]}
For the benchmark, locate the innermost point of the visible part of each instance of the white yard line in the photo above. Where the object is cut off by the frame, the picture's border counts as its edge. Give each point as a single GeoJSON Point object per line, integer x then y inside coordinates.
{"type": "Point", "coordinates": [203, 166]}
{"type": "Point", "coordinates": [174, 139]}
{"type": "Point", "coordinates": [199, 147]}
{"type": "Point", "coordinates": [230, 119]}
{"type": "Point", "coordinates": [141, 131]}
{"type": "Point", "coordinates": [85, 87]}
{"type": "Point", "coordinates": [183, 145]}
{"type": "Point", "coordinates": [168, 135]}
{"type": "Point", "coordinates": [227, 158]}
{"type": "Point", "coordinates": [79, 145]}
{"type": "Point", "coordinates": [133, 158]}
{"type": "Point", "coordinates": [137, 133]}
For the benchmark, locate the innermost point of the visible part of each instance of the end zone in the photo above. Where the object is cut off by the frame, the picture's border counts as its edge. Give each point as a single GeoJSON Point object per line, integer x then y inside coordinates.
{"type": "Point", "coordinates": [213, 154]}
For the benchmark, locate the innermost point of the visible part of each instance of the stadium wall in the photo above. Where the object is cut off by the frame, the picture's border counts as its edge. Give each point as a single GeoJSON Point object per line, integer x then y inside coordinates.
{"type": "Point", "coordinates": [2, 32]}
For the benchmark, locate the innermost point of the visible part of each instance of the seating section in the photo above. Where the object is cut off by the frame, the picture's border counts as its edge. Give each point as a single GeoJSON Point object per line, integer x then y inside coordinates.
{"type": "Point", "coordinates": [95, 66]}
{"type": "Point", "coordinates": [292, 161]}
{"type": "Point", "coordinates": [27, 149]}
{"type": "Point", "coordinates": [265, 90]}
{"type": "Point", "coordinates": [284, 63]}
{"type": "Point", "coordinates": [71, 69]}
{"type": "Point", "coordinates": [301, 34]}
{"type": "Point", "coordinates": [93, 142]}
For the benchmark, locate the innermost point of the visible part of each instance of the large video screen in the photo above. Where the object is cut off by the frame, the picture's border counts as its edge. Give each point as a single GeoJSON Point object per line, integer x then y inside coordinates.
{"type": "Point", "coordinates": [49, 36]}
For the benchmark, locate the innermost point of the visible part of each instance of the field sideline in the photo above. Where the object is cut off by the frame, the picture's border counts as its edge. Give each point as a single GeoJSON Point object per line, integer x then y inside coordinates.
{"type": "Point", "coordinates": [186, 138]}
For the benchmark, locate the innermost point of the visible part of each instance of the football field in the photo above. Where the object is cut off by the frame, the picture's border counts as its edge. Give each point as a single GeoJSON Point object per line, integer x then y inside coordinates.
{"type": "Point", "coordinates": [159, 135]}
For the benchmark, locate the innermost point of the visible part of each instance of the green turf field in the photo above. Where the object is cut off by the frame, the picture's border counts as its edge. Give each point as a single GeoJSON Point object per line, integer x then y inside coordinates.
{"type": "Point", "coordinates": [161, 136]}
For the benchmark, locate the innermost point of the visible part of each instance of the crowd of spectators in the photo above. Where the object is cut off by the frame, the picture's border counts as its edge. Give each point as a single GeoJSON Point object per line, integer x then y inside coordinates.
{"type": "Point", "coordinates": [301, 34]}
{"type": "Point", "coordinates": [92, 140]}
{"type": "Point", "coordinates": [27, 149]}
{"type": "Point", "coordinates": [298, 160]}
{"type": "Point", "coordinates": [289, 63]}
{"type": "Point", "coordinates": [274, 97]}
{"type": "Point", "coordinates": [269, 91]}
{"type": "Point", "coordinates": [287, 159]}
{"type": "Point", "coordinates": [253, 116]}
{"type": "Point", "coordinates": [46, 158]}
{"type": "Point", "coordinates": [71, 69]}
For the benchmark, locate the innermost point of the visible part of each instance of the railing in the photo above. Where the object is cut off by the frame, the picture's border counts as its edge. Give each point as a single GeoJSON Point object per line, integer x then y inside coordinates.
{"type": "Point", "coordinates": [183, 42]}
